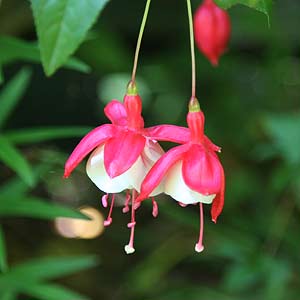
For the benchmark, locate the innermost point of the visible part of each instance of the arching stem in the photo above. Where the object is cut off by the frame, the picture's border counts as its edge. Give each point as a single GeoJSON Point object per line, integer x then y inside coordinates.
{"type": "Point", "coordinates": [138, 45]}
{"type": "Point", "coordinates": [192, 41]}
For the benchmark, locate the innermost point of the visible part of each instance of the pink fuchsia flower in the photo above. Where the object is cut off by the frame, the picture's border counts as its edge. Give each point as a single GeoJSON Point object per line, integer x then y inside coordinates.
{"type": "Point", "coordinates": [212, 30]}
{"type": "Point", "coordinates": [192, 172]}
{"type": "Point", "coordinates": [123, 153]}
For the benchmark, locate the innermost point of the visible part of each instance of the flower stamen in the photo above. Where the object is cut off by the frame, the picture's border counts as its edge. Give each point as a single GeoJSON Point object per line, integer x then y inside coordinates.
{"type": "Point", "coordinates": [129, 248]}
{"type": "Point", "coordinates": [108, 220]}
{"type": "Point", "coordinates": [104, 200]}
{"type": "Point", "coordinates": [154, 208]}
{"type": "Point", "coordinates": [199, 246]}
{"type": "Point", "coordinates": [126, 205]}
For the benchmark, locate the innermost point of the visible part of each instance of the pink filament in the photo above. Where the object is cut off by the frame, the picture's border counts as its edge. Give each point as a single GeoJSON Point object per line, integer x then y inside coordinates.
{"type": "Point", "coordinates": [155, 208]}
{"type": "Point", "coordinates": [131, 225]}
{"type": "Point", "coordinates": [126, 205]}
{"type": "Point", "coordinates": [199, 246]}
{"type": "Point", "coordinates": [108, 220]}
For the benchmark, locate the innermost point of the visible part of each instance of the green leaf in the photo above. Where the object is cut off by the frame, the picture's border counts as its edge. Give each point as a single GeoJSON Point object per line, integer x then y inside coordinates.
{"type": "Point", "coordinates": [51, 268]}
{"type": "Point", "coordinates": [61, 27]}
{"type": "Point", "coordinates": [35, 208]}
{"type": "Point", "coordinates": [3, 260]}
{"type": "Point", "coordinates": [51, 292]}
{"type": "Point", "coordinates": [12, 94]}
{"type": "Point", "coordinates": [14, 159]}
{"type": "Point", "coordinates": [13, 49]}
{"type": "Point", "coordinates": [7, 295]}
{"type": "Point", "coordinates": [264, 6]}
{"type": "Point", "coordinates": [284, 130]}
{"type": "Point", "coordinates": [36, 135]}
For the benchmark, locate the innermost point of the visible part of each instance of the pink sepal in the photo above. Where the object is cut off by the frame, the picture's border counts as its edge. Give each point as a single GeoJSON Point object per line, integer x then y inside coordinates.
{"type": "Point", "coordinates": [218, 202]}
{"type": "Point", "coordinates": [116, 113]}
{"type": "Point", "coordinates": [211, 145]}
{"type": "Point", "coordinates": [160, 168]}
{"type": "Point", "coordinates": [122, 151]}
{"type": "Point", "coordinates": [169, 133]}
{"type": "Point", "coordinates": [201, 170]}
{"type": "Point", "coordinates": [89, 142]}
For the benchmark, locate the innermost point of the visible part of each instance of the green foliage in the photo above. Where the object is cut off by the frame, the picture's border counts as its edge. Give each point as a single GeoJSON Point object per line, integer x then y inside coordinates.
{"type": "Point", "coordinates": [37, 135]}
{"type": "Point", "coordinates": [264, 6]}
{"type": "Point", "coordinates": [57, 27]}
{"type": "Point", "coordinates": [15, 160]}
{"type": "Point", "coordinates": [3, 262]}
{"type": "Point", "coordinates": [35, 208]}
{"type": "Point", "coordinates": [12, 93]}
{"type": "Point", "coordinates": [284, 130]}
{"type": "Point", "coordinates": [29, 278]}
{"type": "Point", "coordinates": [13, 49]}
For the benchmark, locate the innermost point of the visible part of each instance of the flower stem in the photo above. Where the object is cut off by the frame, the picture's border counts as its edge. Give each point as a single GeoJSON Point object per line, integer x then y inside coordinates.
{"type": "Point", "coordinates": [139, 41]}
{"type": "Point", "coordinates": [190, 16]}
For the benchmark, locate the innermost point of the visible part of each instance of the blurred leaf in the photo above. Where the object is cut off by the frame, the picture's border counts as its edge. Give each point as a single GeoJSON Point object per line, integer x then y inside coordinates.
{"type": "Point", "coordinates": [264, 6]}
{"type": "Point", "coordinates": [7, 295]}
{"type": "Point", "coordinates": [284, 130]}
{"type": "Point", "coordinates": [153, 268]}
{"type": "Point", "coordinates": [3, 261]}
{"type": "Point", "coordinates": [12, 94]}
{"type": "Point", "coordinates": [16, 187]}
{"type": "Point", "coordinates": [50, 268]}
{"type": "Point", "coordinates": [13, 49]}
{"type": "Point", "coordinates": [61, 27]}
{"type": "Point", "coordinates": [36, 135]}
{"type": "Point", "coordinates": [35, 208]}
{"type": "Point", "coordinates": [14, 159]}
{"type": "Point", "coordinates": [51, 292]}
{"type": "Point", "coordinates": [278, 277]}
{"type": "Point", "coordinates": [192, 292]}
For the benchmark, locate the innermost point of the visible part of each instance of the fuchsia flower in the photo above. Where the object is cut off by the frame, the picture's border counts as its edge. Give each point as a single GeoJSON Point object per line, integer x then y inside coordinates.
{"type": "Point", "coordinates": [192, 172]}
{"type": "Point", "coordinates": [212, 30]}
{"type": "Point", "coordinates": [124, 152]}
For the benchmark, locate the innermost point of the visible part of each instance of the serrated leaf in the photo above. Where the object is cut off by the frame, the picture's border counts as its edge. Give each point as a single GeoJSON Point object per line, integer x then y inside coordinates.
{"type": "Point", "coordinates": [35, 208]}
{"type": "Point", "coordinates": [36, 135]}
{"type": "Point", "coordinates": [12, 93]}
{"type": "Point", "coordinates": [15, 160]}
{"type": "Point", "coordinates": [13, 49]}
{"type": "Point", "coordinates": [51, 268]}
{"type": "Point", "coordinates": [51, 292]}
{"type": "Point", "coordinates": [264, 6]}
{"type": "Point", "coordinates": [284, 130]}
{"type": "Point", "coordinates": [61, 27]}
{"type": "Point", "coordinates": [3, 260]}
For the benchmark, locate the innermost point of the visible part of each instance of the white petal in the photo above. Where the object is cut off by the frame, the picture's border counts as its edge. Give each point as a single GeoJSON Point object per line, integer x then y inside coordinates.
{"type": "Point", "coordinates": [177, 189]}
{"type": "Point", "coordinates": [132, 178]}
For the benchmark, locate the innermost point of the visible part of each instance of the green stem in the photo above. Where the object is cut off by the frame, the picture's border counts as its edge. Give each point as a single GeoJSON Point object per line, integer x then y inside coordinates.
{"type": "Point", "coordinates": [190, 15]}
{"type": "Point", "coordinates": [138, 46]}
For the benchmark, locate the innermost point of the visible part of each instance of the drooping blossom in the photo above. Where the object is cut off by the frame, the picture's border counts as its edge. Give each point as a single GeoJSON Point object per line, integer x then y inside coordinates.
{"type": "Point", "coordinates": [123, 153]}
{"type": "Point", "coordinates": [192, 172]}
{"type": "Point", "coordinates": [212, 30]}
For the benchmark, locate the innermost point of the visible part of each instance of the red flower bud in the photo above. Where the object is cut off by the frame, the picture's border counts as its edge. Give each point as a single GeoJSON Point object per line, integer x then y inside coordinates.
{"type": "Point", "coordinates": [212, 30]}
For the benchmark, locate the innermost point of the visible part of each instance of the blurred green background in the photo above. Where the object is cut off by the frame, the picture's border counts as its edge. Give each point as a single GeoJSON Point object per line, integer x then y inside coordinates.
{"type": "Point", "coordinates": [251, 102]}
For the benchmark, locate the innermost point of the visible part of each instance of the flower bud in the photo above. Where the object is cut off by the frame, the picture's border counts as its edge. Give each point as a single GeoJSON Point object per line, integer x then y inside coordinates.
{"type": "Point", "coordinates": [212, 30]}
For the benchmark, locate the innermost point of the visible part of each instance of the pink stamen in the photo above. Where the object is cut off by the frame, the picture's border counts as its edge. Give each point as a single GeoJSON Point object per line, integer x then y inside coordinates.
{"type": "Point", "coordinates": [129, 248]}
{"type": "Point", "coordinates": [104, 200]}
{"type": "Point", "coordinates": [108, 220]}
{"type": "Point", "coordinates": [154, 208]}
{"type": "Point", "coordinates": [199, 246]}
{"type": "Point", "coordinates": [126, 205]}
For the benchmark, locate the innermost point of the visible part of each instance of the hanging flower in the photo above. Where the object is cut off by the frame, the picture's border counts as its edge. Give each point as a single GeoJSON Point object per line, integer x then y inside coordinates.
{"type": "Point", "coordinates": [212, 30]}
{"type": "Point", "coordinates": [124, 152]}
{"type": "Point", "coordinates": [192, 172]}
